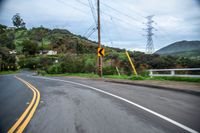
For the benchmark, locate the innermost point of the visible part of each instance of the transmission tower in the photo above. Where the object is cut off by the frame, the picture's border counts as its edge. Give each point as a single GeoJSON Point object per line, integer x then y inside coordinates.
{"type": "Point", "coordinates": [149, 29]}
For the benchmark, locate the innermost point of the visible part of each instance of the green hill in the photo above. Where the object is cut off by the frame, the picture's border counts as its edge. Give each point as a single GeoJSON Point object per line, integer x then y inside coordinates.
{"type": "Point", "coordinates": [77, 54]}
{"type": "Point", "coordinates": [60, 40]}
{"type": "Point", "coordinates": [182, 48]}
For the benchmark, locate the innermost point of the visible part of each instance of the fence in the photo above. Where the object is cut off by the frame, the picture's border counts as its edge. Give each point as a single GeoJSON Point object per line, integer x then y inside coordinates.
{"type": "Point", "coordinates": [172, 72]}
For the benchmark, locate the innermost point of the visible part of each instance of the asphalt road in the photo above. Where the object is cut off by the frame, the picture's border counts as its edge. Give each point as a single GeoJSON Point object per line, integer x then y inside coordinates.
{"type": "Point", "coordinates": [68, 105]}
{"type": "Point", "coordinates": [14, 98]}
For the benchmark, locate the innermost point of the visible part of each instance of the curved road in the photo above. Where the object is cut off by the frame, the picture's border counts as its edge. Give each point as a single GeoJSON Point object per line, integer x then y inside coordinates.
{"type": "Point", "coordinates": [69, 105]}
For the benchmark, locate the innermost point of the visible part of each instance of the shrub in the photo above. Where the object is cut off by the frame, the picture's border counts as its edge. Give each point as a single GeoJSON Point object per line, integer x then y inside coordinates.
{"type": "Point", "coordinates": [55, 69]}
{"type": "Point", "coordinates": [89, 66]}
{"type": "Point", "coordinates": [145, 73]}
{"type": "Point", "coordinates": [31, 63]}
{"type": "Point", "coordinates": [109, 70]}
{"type": "Point", "coordinates": [137, 77]}
{"type": "Point", "coordinates": [41, 72]}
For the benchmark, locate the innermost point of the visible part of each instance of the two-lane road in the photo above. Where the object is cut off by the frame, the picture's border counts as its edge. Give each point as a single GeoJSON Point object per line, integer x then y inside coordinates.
{"type": "Point", "coordinates": [14, 98]}
{"type": "Point", "coordinates": [78, 105]}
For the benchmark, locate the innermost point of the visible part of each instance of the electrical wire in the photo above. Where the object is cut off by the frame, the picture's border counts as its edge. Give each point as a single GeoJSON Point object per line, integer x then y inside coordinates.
{"type": "Point", "coordinates": [92, 10]}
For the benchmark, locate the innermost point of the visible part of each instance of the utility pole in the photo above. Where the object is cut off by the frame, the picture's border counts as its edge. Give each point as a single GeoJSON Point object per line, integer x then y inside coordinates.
{"type": "Point", "coordinates": [99, 40]}
{"type": "Point", "coordinates": [149, 29]}
{"type": "Point", "coordinates": [0, 62]}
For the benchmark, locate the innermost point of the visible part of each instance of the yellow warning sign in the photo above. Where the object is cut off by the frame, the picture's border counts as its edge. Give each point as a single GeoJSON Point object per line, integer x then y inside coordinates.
{"type": "Point", "coordinates": [101, 52]}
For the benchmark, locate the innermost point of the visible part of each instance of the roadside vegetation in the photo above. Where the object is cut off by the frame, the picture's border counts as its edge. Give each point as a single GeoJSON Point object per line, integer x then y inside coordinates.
{"type": "Point", "coordinates": [187, 79]}
{"type": "Point", "coordinates": [8, 72]}
{"type": "Point", "coordinates": [125, 77]}
{"type": "Point", "coordinates": [22, 48]}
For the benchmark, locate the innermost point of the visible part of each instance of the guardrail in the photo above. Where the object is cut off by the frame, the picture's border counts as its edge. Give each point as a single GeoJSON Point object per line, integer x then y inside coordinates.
{"type": "Point", "coordinates": [173, 72]}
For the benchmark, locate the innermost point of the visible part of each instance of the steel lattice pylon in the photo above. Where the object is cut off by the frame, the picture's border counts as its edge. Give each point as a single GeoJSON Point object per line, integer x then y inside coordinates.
{"type": "Point", "coordinates": [149, 29]}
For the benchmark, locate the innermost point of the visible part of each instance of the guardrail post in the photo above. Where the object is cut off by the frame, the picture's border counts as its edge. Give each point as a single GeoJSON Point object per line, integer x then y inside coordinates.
{"type": "Point", "coordinates": [172, 72]}
{"type": "Point", "coordinates": [150, 73]}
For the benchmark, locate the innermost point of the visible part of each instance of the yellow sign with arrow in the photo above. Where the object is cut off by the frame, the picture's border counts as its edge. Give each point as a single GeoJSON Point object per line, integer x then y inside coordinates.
{"type": "Point", "coordinates": [101, 52]}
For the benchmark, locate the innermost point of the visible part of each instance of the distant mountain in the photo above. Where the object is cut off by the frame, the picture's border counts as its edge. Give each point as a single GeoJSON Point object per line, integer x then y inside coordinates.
{"type": "Point", "coordinates": [182, 48]}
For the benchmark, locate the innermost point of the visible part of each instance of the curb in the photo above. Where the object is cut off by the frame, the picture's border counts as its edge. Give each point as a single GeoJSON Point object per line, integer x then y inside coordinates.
{"type": "Point", "coordinates": [193, 92]}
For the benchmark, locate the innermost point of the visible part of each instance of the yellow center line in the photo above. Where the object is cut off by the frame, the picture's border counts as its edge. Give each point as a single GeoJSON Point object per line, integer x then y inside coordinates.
{"type": "Point", "coordinates": [17, 123]}
{"type": "Point", "coordinates": [25, 123]}
{"type": "Point", "coordinates": [36, 94]}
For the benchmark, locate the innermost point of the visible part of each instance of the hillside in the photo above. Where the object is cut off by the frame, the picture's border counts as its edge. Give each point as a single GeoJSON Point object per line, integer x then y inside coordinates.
{"type": "Point", "coordinates": [76, 54]}
{"type": "Point", "coordinates": [60, 40]}
{"type": "Point", "coordinates": [182, 48]}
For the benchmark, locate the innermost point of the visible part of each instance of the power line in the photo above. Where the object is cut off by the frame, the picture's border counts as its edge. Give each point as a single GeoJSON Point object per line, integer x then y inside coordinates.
{"type": "Point", "coordinates": [90, 28]}
{"type": "Point", "coordinates": [91, 32]}
{"type": "Point", "coordinates": [78, 9]}
{"type": "Point", "coordinates": [113, 10]}
{"type": "Point", "coordinates": [93, 11]}
{"type": "Point", "coordinates": [109, 15]}
{"type": "Point", "coordinates": [162, 31]}
{"type": "Point", "coordinates": [120, 12]}
{"type": "Point", "coordinates": [88, 34]}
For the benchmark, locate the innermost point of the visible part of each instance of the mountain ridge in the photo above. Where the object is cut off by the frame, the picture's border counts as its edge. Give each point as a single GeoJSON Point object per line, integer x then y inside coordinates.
{"type": "Point", "coordinates": [181, 48]}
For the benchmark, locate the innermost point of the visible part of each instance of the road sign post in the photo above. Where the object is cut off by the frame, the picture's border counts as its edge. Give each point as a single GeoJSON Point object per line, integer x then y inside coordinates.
{"type": "Point", "coordinates": [0, 62]}
{"type": "Point", "coordinates": [99, 40]}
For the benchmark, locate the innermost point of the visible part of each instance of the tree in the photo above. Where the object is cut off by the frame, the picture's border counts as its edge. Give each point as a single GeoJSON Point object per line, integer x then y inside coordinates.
{"type": "Point", "coordinates": [7, 40]}
{"type": "Point", "coordinates": [18, 21]}
{"type": "Point", "coordinates": [2, 28]}
{"type": "Point", "coordinates": [7, 59]}
{"type": "Point", "coordinates": [38, 34]}
{"type": "Point", "coordinates": [29, 47]}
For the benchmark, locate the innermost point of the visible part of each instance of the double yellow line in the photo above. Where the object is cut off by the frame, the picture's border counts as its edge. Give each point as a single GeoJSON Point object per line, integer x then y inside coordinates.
{"type": "Point", "coordinates": [25, 118]}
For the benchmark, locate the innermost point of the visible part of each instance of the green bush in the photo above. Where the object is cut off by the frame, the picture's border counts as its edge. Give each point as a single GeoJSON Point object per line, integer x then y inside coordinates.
{"type": "Point", "coordinates": [137, 78]}
{"type": "Point", "coordinates": [36, 62]}
{"type": "Point", "coordinates": [89, 65]}
{"type": "Point", "coordinates": [145, 74]}
{"type": "Point", "coordinates": [46, 61]}
{"type": "Point", "coordinates": [109, 70]}
{"type": "Point", "coordinates": [31, 63]}
{"type": "Point", "coordinates": [41, 72]}
{"type": "Point", "coordinates": [55, 69]}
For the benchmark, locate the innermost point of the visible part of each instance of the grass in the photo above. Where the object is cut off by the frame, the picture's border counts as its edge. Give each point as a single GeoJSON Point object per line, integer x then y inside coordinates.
{"type": "Point", "coordinates": [133, 77]}
{"type": "Point", "coordinates": [8, 72]}
{"type": "Point", "coordinates": [91, 75]}
{"type": "Point", "coordinates": [187, 79]}
{"type": "Point", "coordinates": [88, 75]}
{"type": "Point", "coordinates": [117, 76]}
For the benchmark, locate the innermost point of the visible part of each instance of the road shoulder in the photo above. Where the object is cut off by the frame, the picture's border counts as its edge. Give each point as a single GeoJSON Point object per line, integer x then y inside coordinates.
{"type": "Point", "coordinates": [180, 86]}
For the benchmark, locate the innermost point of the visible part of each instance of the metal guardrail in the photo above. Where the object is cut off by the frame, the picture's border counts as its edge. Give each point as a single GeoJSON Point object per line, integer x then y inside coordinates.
{"type": "Point", "coordinates": [173, 72]}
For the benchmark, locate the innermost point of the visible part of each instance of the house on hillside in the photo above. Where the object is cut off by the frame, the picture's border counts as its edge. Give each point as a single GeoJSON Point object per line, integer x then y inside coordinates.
{"type": "Point", "coordinates": [48, 52]}
{"type": "Point", "coordinates": [12, 52]}
{"type": "Point", "coordinates": [51, 52]}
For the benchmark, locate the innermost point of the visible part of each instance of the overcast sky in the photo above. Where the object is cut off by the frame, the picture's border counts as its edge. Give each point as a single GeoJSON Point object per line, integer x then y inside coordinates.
{"type": "Point", "coordinates": [122, 21]}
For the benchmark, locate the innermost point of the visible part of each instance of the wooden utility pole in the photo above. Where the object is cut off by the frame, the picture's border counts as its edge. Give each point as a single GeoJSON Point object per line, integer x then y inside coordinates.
{"type": "Point", "coordinates": [0, 62]}
{"type": "Point", "coordinates": [99, 39]}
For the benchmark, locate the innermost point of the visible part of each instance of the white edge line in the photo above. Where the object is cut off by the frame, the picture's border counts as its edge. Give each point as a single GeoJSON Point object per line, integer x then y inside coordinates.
{"type": "Point", "coordinates": [123, 99]}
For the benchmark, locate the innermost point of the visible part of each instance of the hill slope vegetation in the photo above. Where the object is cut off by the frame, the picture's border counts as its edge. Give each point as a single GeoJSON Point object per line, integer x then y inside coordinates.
{"type": "Point", "coordinates": [76, 54]}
